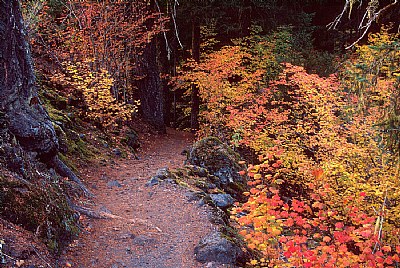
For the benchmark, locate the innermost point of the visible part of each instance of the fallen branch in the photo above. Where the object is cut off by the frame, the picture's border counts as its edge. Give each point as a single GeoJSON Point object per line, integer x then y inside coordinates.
{"type": "Point", "coordinates": [41, 257]}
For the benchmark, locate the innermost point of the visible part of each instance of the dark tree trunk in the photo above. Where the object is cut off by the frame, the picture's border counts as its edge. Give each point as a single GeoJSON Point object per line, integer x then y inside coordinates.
{"type": "Point", "coordinates": [151, 92]}
{"type": "Point", "coordinates": [245, 17]}
{"type": "Point", "coordinates": [195, 98]}
{"type": "Point", "coordinates": [28, 121]}
{"type": "Point", "coordinates": [150, 88]}
{"type": "Point", "coordinates": [166, 67]}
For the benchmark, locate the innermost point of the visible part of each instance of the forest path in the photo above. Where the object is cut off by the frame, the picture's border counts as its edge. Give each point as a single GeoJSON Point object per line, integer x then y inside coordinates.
{"type": "Point", "coordinates": [155, 227]}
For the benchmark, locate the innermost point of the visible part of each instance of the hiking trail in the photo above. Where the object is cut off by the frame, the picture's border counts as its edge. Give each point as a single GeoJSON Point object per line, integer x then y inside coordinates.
{"type": "Point", "coordinates": [147, 226]}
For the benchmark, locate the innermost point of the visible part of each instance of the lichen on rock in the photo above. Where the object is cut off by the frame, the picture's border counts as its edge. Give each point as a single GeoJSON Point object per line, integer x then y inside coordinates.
{"type": "Point", "coordinates": [216, 248]}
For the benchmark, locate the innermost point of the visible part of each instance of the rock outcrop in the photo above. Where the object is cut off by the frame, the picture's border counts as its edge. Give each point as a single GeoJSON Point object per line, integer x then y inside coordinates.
{"type": "Point", "coordinates": [221, 162]}
{"type": "Point", "coordinates": [212, 173]}
{"type": "Point", "coordinates": [216, 248]}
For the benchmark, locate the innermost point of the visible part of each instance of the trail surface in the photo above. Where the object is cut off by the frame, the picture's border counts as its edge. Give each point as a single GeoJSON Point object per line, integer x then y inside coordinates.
{"type": "Point", "coordinates": [153, 227]}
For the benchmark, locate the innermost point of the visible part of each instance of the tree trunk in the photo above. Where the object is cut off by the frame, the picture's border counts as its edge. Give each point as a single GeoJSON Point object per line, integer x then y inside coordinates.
{"type": "Point", "coordinates": [245, 17]}
{"type": "Point", "coordinates": [195, 98]}
{"type": "Point", "coordinates": [151, 92]}
{"type": "Point", "coordinates": [150, 87]}
{"type": "Point", "coordinates": [28, 121]}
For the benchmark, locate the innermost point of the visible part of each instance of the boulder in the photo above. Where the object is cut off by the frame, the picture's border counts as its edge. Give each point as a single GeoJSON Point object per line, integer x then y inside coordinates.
{"type": "Point", "coordinates": [162, 174]}
{"type": "Point", "coordinates": [222, 200]}
{"type": "Point", "coordinates": [215, 248]}
{"type": "Point", "coordinates": [221, 162]}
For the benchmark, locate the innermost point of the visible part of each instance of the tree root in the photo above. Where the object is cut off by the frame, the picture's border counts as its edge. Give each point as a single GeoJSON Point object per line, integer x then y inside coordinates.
{"type": "Point", "coordinates": [104, 215]}
{"type": "Point", "coordinates": [62, 169]}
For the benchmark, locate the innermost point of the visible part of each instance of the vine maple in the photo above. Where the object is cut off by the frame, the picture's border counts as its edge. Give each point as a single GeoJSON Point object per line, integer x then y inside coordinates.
{"type": "Point", "coordinates": [112, 34]}
{"type": "Point", "coordinates": [98, 104]}
{"type": "Point", "coordinates": [324, 191]}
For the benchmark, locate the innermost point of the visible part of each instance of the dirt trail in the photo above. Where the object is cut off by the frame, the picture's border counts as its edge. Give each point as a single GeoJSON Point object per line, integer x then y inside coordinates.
{"type": "Point", "coordinates": [159, 225]}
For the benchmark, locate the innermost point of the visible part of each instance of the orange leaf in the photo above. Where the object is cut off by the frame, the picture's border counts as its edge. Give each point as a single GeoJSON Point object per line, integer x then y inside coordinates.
{"type": "Point", "coordinates": [317, 173]}
{"type": "Point", "coordinates": [326, 239]}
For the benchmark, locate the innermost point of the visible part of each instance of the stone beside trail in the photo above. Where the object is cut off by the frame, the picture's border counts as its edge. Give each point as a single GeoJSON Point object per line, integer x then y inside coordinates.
{"type": "Point", "coordinates": [156, 226]}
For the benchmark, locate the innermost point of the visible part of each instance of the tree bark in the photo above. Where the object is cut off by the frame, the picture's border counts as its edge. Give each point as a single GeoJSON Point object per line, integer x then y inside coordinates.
{"type": "Point", "coordinates": [195, 98]}
{"type": "Point", "coordinates": [28, 121]}
{"type": "Point", "coordinates": [152, 99]}
{"type": "Point", "coordinates": [151, 92]}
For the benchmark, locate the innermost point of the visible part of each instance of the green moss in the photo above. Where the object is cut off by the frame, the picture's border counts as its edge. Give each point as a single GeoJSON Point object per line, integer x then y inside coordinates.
{"type": "Point", "coordinates": [201, 184]}
{"type": "Point", "coordinates": [58, 115]}
{"type": "Point", "coordinates": [53, 245]}
{"type": "Point", "coordinates": [78, 147]}
{"type": "Point", "coordinates": [182, 183]}
{"type": "Point", "coordinates": [231, 234]}
{"type": "Point", "coordinates": [40, 208]}
{"type": "Point", "coordinates": [68, 162]}
{"type": "Point", "coordinates": [212, 154]}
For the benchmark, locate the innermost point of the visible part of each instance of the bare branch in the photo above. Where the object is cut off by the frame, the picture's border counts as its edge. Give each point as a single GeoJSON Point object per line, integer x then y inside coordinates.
{"type": "Point", "coordinates": [373, 16]}
{"type": "Point", "coordinates": [337, 20]}
{"type": "Point", "coordinates": [164, 33]}
{"type": "Point", "coordinates": [174, 20]}
{"type": "Point", "coordinates": [362, 35]}
{"type": "Point", "coordinates": [371, 13]}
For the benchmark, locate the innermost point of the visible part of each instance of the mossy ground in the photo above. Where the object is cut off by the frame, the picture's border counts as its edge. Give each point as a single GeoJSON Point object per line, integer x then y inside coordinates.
{"type": "Point", "coordinates": [39, 206]}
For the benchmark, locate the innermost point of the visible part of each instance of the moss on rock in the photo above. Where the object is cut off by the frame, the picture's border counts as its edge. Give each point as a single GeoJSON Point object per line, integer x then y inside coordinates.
{"type": "Point", "coordinates": [221, 162]}
{"type": "Point", "coordinates": [30, 196]}
{"type": "Point", "coordinates": [41, 209]}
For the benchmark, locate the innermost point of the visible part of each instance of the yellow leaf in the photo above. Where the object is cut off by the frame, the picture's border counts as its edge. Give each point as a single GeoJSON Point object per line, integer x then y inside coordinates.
{"type": "Point", "coordinates": [253, 262]}
{"type": "Point", "coordinates": [257, 176]}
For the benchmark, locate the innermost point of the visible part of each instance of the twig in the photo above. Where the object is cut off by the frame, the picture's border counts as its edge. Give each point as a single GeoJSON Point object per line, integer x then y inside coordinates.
{"type": "Point", "coordinates": [40, 257]}
{"type": "Point", "coordinates": [371, 13]}
{"type": "Point", "coordinates": [334, 23]}
{"type": "Point", "coordinates": [379, 223]}
{"type": "Point", "coordinates": [174, 20]}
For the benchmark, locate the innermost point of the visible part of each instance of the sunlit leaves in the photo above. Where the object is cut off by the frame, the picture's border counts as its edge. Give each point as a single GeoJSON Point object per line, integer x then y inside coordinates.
{"type": "Point", "coordinates": [335, 159]}
{"type": "Point", "coordinates": [373, 81]}
{"type": "Point", "coordinates": [95, 87]}
{"type": "Point", "coordinates": [114, 33]}
{"type": "Point", "coordinates": [291, 233]}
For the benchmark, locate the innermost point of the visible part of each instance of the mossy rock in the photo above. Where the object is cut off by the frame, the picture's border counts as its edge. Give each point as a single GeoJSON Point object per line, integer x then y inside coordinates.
{"type": "Point", "coordinates": [221, 162]}
{"type": "Point", "coordinates": [59, 116]}
{"type": "Point", "coordinates": [131, 139]}
{"type": "Point", "coordinates": [40, 208]}
{"type": "Point", "coordinates": [51, 96]}
{"type": "Point", "coordinates": [62, 138]}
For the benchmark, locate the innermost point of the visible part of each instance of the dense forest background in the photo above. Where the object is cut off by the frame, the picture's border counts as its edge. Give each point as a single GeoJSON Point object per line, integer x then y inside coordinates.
{"type": "Point", "coordinates": [307, 92]}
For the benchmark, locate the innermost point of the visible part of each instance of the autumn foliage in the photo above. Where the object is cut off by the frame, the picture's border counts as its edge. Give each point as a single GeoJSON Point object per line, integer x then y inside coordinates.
{"type": "Point", "coordinates": [324, 191]}
{"type": "Point", "coordinates": [93, 47]}
{"type": "Point", "coordinates": [92, 90]}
